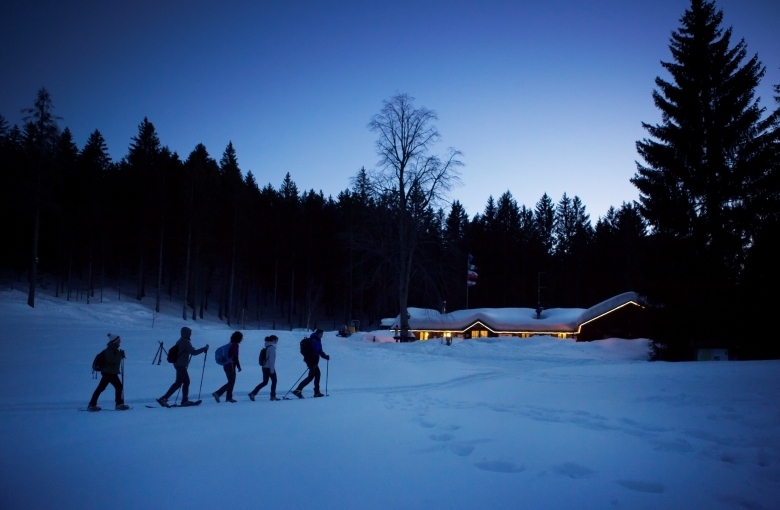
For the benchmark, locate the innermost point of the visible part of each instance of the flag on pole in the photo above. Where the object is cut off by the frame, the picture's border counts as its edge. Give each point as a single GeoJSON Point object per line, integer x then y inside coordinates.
{"type": "Point", "coordinates": [471, 273]}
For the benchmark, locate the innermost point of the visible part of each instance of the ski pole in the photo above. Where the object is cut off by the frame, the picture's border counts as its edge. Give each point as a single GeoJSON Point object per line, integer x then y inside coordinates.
{"type": "Point", "coordinates": [296, 382]}
{"type": "Point", "coordinates": [201, 375]}
{"type": "Point", "coordinates": [327, 371]}
{"type": "Point", "coordinates": [123, 379]}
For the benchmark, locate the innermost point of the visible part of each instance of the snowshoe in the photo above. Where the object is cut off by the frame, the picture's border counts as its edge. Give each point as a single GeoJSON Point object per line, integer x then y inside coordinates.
{"type": "Point", "coordinates": [318, 394]}
{"type": "Point", "coordinates": [93, 409]}
{"type": "Point", "coordinates": [231, 400]}
{"type": "Point", "coordinates": [298, 393]}
{"type": "Point", "coordinates": [190, 403]}
{"type": "Point", "coordinates": [163, 402]}
{"type": "Point", "coordinates": [274, 398]}
{"type": "Point", "coordinates": [122, 407]}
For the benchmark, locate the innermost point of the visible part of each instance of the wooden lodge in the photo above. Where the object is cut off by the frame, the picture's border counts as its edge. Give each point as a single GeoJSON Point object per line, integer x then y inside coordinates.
{"type": "Point", "coordinates": [621, 316]}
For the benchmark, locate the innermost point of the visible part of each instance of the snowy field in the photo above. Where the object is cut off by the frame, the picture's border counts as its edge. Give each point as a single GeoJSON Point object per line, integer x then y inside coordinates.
{"type": "Point", "coordinates": [535, 423]}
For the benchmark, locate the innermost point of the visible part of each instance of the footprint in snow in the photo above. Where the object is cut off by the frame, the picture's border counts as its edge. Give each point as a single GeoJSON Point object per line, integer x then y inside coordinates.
{"type": "Point", "coordinates": [677, 446]}
{"type": "Point", "coordinates": [442, 437]}
{"type": "Point", "coordinates": [499, 466]}
{"type": "Point", "coordinates": [461, 450]}
{"type": "Point", "coordinates": [431, 449]}
{"type": "Point", "coordinates": [573, 470]}
{"type": "Point", "coordinates": [641, 486]}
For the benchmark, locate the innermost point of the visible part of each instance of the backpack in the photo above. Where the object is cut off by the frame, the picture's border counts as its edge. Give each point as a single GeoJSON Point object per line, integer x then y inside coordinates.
{"type": "Point", "coordinates": [221, 355]}
{"type": "Point", "coordinates": [99, 362]}
{"type": "Point", "coordinates": [173, 354]}
{"type": "Point", "coordinates": [263, 356]}
{"type": "Point", "coordinates": [306, 348]}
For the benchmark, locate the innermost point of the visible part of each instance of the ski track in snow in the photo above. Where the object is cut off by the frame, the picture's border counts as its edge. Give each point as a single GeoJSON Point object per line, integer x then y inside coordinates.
{"type": "Point", "coordinates": [491, 423]}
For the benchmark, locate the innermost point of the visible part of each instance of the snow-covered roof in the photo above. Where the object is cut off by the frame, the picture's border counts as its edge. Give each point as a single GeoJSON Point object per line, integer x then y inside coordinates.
{"type": "Point", "coordinates": [516, 320]}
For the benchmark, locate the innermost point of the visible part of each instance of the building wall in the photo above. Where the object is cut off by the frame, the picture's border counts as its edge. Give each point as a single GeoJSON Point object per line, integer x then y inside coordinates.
{"type": "Point", "coordinates": [626, 322]}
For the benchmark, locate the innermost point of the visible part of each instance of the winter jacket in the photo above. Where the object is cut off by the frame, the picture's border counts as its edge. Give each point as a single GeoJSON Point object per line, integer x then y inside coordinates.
{"type": "Point", "coordinates": [270, 356]}
{"type": "Point", "coordinates": [317, 352]}
{"type": "Point", "coordinates": [113, 358]}
{"type": "Point", "coordinates": [185, 351]}
{"type": "Point", "coordinates": [233, 354]}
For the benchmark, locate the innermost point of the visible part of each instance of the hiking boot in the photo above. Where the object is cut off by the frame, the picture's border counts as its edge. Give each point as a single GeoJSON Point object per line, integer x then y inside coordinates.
{"type": "Point", "coordinates": [216, 396]}
{"type": "Point", "coordinates": [252, 396]}
{"type": "Point", "coordinates": [318, 394]}
{"type": "Point", "coordinates": [93, 408]}
{"type": "Point", "coordinates": [122, 407]}
{"type": "Point", "coordinates": [231, 400]}
{"type": "Point", "coordinates": [273, 397]}
{"type": "Point", "coordinates": [162, 401]}
{"type": "Point", "coordinates": [298, 393]}
{"type": "Point", "coordinates": [188, 403]}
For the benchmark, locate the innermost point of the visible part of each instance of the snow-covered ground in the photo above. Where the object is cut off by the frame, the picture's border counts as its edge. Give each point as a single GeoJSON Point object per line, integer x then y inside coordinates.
{"type": "Point", "coordinates": [492, 423]}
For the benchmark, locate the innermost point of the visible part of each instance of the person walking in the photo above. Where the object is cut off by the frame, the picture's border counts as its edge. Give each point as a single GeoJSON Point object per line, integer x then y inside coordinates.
{"type": "Point", "coordinates": [230, 368]}
{"type": "Point", "coordinates": [312, 352]}
{"type": "Point", "coordinates": [112, 360]}
{"type": "Point", "coordinates": [269, 368]}
{"type": "Point", "coordinates": [186, 350]}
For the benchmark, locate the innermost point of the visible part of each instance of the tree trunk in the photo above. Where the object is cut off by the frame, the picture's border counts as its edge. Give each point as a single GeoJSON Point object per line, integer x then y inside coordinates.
{"type": "Point", "coordinates": [195, 282]}
{"type": "Point", "coordinates": [160, 264]}
{"type": "Point", "coordinates": [34, 258]}
{"type": "Point", "coordinates": [276, 287]}
{"type": "Point", "coordinates": [70, 272]}
{"type": "Point", "coordinates": [140, 293]}
{"type": "Point", "coordinates": [187, 274]}
{"type": "Point", "coordinates": [232, 267]}
{"type": "Point", "coordinates": [89, 276]}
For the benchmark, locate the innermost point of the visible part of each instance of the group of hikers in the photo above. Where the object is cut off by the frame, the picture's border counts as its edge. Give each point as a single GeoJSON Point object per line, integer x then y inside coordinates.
{"type": "Point", "coordinates": [183, 351]}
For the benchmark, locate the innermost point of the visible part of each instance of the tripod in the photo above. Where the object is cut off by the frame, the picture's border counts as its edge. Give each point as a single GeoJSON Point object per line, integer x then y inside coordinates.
{"type": "Point", "coordinates": [159, 353]}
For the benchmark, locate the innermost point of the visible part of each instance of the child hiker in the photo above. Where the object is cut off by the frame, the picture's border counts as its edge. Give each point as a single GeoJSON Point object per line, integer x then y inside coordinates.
{"type": "Point", "coordinates": [269, 368]}
{"type": "Point", "coordinates": [112, 360]}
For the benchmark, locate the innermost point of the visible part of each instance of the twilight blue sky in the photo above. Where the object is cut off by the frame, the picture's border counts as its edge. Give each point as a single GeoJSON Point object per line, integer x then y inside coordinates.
{"type": "Point", "coordinates": [539, 96]}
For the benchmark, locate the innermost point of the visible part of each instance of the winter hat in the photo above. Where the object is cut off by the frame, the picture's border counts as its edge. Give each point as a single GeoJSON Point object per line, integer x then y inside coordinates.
{"type": "Point", "coordinates": [114, 339]}
{"type": "Point", "coordinates": [186, 332]}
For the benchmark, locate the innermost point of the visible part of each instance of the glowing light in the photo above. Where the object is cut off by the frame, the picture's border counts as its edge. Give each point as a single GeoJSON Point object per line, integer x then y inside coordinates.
{"type": "Point", "coordinates": [519, 333]}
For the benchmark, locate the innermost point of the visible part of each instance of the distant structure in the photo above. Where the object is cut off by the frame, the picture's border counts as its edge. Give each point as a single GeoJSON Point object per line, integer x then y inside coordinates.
{"type": "Point", "coordinates": [622, 316]}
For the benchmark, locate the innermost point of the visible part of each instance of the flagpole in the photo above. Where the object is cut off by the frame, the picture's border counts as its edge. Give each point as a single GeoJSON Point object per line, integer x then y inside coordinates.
{"type": "Point", "coordinates": [468, 267]}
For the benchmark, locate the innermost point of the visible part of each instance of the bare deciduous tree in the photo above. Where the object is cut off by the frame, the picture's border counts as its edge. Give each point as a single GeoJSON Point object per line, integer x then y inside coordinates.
{"type": "Point", "coordinates": [413, 176]}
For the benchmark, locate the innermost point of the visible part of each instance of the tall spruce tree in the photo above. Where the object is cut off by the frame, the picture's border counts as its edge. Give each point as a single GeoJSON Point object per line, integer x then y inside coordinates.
{"type": "Point", "coordinates": [41, 133]}
{"type": "Point", "coordinates": [143, 168]}
{"type": "Point", "coordinates": [544, 217]}
{"type": "Point", "coordinates": [700, 166]}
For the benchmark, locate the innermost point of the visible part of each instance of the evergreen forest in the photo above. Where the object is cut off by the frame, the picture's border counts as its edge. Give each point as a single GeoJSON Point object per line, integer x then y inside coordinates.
{"type": "Point", "coordinates": [200, 231]}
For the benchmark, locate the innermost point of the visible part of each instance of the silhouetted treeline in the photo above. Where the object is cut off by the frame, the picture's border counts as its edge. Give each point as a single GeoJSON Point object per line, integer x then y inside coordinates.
{"type": "Point", "coordinates": [709, 189]}
{"type": "Point", "coordinates": [698, 246]}
{"type": "Point", "coordinates": [154, 226]}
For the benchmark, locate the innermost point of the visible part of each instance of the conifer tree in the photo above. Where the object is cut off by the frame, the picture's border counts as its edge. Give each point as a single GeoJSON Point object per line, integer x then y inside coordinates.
{"type": "Point", "coordinates": [41, 133]}
{"type": "Point", "coordinates": [544, 216]}
{"type": "Point", "coordinates": [700, 161]}
{"type": "Point", "coordinates": [701, 164]}
{"type": "Point", "coordinates": [71, 198]}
